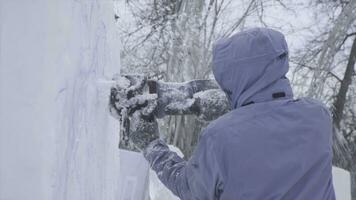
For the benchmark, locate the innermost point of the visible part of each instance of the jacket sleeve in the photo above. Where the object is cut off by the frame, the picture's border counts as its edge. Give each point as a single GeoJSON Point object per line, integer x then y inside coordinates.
{"type": "Point", "coordinates": [197, 178]}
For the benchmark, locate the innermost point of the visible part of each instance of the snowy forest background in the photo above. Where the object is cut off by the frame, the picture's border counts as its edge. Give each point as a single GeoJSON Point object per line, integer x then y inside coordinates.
{"type": "Point", "coordinates": [57, 140]}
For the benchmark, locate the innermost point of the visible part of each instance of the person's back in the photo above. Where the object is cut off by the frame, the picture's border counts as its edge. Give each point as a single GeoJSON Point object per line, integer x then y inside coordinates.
{"type": "Point", "coordinates": [275, 150]}
{"type": "Point", "coordinates": [270, 146]}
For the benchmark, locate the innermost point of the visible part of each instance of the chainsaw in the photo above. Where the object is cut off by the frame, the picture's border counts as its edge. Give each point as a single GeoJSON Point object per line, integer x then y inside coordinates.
{"type": "Point", "coordinates": [130, 93]}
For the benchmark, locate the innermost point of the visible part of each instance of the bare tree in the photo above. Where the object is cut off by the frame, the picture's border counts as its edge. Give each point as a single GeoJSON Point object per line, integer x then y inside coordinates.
{"type": "Point", "coordinates": [338, 109]}
{"type": "Point", "coordinates": [328, 62]}
{"type": "Point", "coordinates": [330, 47]}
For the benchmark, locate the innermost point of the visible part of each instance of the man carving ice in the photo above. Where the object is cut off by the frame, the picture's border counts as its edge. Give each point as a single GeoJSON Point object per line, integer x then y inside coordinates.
{"type": "Point", "coordinates": [270, 146]}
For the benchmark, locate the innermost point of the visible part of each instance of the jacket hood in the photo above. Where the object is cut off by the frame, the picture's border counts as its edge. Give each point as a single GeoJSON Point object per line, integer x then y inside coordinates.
{"type": "Point", "coordinates": [250, 66]}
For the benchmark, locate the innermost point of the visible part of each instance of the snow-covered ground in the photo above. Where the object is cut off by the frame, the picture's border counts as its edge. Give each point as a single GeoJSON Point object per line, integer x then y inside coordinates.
{"type": "Point", "coordinates": [57, 140]}
{"type": "Point", "coordinates": [342, 184]}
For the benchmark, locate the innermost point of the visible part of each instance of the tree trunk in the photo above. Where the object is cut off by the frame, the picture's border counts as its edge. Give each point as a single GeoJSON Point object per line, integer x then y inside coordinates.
{"type": "Point", "coordinates": [339, 103]}
{"type": "Point", "coordinates": [342, 156]}
{"type": "Point", "coordinates": [341, 151]}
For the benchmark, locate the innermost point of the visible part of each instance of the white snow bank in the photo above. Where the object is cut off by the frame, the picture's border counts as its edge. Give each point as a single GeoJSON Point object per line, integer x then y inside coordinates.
{"type": "Point", "coordinates": [134, 176]}
{"type": "Point", "coordinates": [342, 184]}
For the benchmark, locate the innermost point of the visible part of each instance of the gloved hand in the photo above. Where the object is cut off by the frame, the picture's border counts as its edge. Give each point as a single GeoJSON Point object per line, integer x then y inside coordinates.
{"type": "Point", "coordinates": [211, 104]}
{"type": "Point", "coordinates": [143, 124]}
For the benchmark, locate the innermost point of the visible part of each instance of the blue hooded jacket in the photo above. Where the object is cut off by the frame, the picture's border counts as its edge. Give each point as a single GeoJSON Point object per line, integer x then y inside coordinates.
{"type": "Point", "coordinates": [268, 147]}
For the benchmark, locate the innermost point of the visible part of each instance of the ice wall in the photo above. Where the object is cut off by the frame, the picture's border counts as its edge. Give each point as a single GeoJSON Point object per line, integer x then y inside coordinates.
{"type": "Point", "coordinates": [57, 140]}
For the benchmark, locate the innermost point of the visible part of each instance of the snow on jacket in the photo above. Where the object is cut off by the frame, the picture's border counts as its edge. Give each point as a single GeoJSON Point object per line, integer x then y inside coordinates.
{"type": "Point", "coordinates": [270, 146]}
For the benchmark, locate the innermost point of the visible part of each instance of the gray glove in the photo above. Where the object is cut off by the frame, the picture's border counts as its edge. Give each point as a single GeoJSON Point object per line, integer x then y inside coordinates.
{"type": "Point", "coordinates": [211, 103]}
{"type": "Point", "coordinates": [143, 125]}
